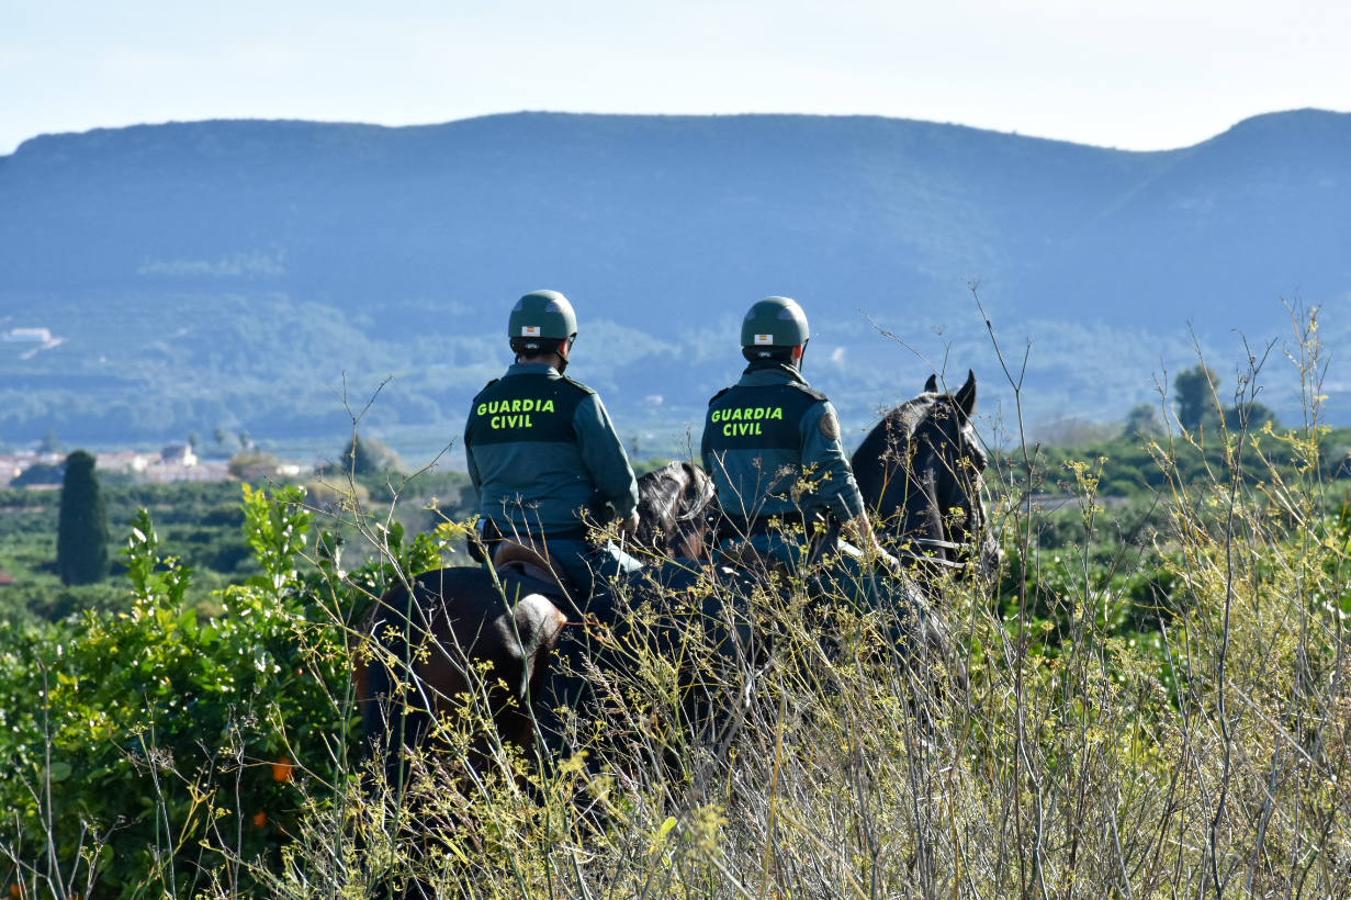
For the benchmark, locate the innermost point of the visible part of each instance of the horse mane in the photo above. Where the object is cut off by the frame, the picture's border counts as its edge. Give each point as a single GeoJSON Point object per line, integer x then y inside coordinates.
{"type": "Point", "coordinates": [887, 445]}
{"type": "Point", "coordinates": [670, 500]}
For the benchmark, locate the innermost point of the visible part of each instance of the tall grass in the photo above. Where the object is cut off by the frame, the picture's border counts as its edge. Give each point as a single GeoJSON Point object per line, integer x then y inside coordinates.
{"type": "Point", "coordinates": [1205, 754]}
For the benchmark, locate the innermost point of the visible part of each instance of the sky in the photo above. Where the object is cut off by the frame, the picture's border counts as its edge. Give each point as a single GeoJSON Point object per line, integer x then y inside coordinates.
{"type": "Point", "coordinates": [1143, 74]}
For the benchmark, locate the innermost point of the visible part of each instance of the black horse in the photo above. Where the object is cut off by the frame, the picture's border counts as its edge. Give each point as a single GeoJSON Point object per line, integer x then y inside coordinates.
{"type": "Point", "coordinates": [921, 470]}
{"type": "Point", "coordinates": [672, 505]}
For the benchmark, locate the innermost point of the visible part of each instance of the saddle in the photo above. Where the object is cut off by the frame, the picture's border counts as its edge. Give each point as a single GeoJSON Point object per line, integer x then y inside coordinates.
{"type": "Point", "coordinates": [522, 561]}
{"type": "Point", "coordinates": [741, 552]}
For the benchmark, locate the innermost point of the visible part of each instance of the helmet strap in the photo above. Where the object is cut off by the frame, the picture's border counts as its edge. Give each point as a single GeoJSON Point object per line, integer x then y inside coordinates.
{"type": "Point", "coordinates": [564, 351]}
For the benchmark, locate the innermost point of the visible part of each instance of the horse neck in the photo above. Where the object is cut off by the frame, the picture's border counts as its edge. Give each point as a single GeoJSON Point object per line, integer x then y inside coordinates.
{"type": "Point", "coordinates": [921, 516]}
{"type": "Point", "coordinates": [688, 541]}
{"type": "Point", "coordinates": [886, 448]}
{"type": "Point", "coordinates": [908, 489]}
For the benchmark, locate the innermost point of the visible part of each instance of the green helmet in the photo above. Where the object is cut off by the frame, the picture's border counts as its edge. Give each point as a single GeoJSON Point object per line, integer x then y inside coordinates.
{"type": "Point", "coordinates": [542, 314]}
{"type": "Point", "coordinates": [775, 322]}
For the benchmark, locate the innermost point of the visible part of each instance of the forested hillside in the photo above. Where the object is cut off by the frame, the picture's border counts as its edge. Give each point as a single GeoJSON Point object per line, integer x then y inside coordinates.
{"type": "Point", "coordinates": [228, 273]}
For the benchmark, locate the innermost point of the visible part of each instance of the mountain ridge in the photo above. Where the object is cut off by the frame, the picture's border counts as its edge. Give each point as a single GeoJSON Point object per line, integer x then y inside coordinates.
{"type": "Point", "coordinates": [1255, 120]}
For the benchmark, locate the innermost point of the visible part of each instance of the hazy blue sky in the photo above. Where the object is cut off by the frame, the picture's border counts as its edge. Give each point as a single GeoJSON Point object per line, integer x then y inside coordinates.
{"type": "Point", "coordinates": [1140, 74]}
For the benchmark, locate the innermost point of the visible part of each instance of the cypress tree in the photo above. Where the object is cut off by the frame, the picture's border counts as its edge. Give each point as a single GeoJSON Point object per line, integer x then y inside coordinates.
{"type": "Point", "coordinates": [82, 531]}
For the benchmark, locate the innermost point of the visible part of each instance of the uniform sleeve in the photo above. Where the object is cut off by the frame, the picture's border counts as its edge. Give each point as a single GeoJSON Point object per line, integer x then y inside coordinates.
{"type": "Point", "coordinates": [705, 452]}
{"type": "Point", "coordinates": [604, 456]}
{"type": "Point", "coordinates": [822, 452]}
{"type": "Point", "coordinates": [474, 476]}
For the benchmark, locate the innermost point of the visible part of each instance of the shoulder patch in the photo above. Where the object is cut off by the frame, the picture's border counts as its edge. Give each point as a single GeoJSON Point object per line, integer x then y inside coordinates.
{"type": "Point", "coordinates": [571, 382]}
{"type": "Point", "coordinates": [808, 390]}
{"type": "Point", "coordinates": [830, 425]}
{"type": "Point", "coordinates": [714, 398]}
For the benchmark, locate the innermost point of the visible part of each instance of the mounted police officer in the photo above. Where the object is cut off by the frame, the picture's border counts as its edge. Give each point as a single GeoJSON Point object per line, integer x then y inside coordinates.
{"type": "Point", "coordinates": [544, 455]}
{"type": "Point", "coordinates": [772, 444]}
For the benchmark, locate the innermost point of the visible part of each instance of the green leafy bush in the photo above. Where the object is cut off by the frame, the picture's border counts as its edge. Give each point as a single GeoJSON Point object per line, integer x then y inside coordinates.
{"type": "Point", "coordinates": [166, 744]}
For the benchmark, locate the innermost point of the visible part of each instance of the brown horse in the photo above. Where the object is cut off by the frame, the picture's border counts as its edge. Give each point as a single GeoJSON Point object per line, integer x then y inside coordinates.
{"type": "Point", "coordinates": [466, 631]}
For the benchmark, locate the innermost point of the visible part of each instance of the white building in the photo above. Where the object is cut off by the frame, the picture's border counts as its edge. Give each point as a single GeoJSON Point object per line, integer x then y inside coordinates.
{"type": "Point", "coordinates": [28, 336]}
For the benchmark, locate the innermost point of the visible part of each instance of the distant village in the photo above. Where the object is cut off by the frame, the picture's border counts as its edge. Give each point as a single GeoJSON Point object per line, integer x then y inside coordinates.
{"type": "Point", "coordinates": [40, 469]}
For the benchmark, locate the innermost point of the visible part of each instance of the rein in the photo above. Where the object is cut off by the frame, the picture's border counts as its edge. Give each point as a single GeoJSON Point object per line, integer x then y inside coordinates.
{"type": "Point", "coordinates": [701, 507]}
{"type": "Point", "coordinates": [935, 542]}
{"type": "Point", "coordinates": [937, 561]}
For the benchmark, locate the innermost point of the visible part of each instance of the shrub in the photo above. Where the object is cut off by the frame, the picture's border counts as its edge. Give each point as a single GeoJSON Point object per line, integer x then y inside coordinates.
{"type": "Point", "coordinates": [168, 745]}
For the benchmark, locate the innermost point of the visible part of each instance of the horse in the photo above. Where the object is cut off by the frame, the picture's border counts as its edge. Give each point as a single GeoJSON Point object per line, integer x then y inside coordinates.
{"type": "Point", "coordinates": [444, 628]}
{"type": "Point", "coordinates": [921, 471]}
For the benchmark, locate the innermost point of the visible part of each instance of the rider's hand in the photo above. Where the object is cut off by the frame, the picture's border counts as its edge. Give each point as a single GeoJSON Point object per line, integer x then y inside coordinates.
{"type": "Point", "coordinates": [876, 552]}
{"type": "Point", "coordinates": [629, 527]}
{"type": "Point", "coordinates": [889, 562]}
{"type": "Point", "coordinates": [860, 531]}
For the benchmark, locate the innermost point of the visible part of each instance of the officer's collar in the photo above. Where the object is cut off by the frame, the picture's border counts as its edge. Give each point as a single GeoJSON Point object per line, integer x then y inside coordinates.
{"type": "Point", "coordinates": [773, 365]}
{"type": "Point", "coordinates": [531, 368]}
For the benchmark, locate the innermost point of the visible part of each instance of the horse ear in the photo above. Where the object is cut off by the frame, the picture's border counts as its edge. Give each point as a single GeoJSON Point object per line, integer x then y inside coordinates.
{"type": "Point", "coordinates": [966, 395]}
{"type": "Point", "coordinates": [931, 386]}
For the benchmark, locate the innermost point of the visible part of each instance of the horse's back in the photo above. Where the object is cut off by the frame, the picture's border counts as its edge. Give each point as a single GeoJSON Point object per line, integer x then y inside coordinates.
{"type": "Point", "coordinates": [438, 629]}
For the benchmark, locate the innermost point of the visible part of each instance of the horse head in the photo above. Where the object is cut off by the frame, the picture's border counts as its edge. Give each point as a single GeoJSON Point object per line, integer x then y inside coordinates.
{"type": "Point", "coordinates": [673, 504]}
{"type": "Point", "coordinates": [921, 469]}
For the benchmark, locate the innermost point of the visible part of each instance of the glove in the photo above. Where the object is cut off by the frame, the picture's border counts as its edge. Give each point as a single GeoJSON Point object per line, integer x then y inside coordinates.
{"type": "Point", "coordinates": [889, 562]}
{"type": "Point", "coordinates": [860, 531]}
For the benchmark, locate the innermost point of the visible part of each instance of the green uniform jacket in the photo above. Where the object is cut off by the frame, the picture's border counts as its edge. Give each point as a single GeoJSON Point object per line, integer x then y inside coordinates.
{"type": "Point", "coordinates": [542, 453]}
{"type": "Point", "coordinates": [762, 434]}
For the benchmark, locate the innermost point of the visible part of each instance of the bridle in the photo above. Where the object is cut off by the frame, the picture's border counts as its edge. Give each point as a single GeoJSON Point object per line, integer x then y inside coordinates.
{"type": "Point", "coordinates": [956, 565]}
